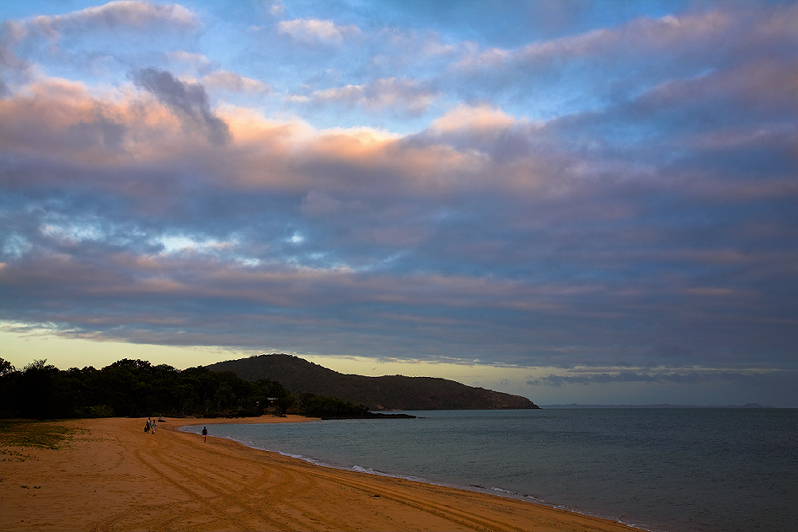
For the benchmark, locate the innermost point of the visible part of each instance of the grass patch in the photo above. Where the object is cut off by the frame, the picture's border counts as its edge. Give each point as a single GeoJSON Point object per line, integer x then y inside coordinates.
{"type": "Point", "coordinates": [41, 434]}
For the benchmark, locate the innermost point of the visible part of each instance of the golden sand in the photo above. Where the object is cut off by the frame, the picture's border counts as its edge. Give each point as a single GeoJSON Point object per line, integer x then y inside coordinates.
{"type": "Point", "coordinates": [114, 476]}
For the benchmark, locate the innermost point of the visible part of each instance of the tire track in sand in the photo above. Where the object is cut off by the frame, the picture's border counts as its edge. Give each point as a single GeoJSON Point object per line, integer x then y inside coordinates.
{"type": "Point", "coordinates": [445, 512]}
{"type": "Point", "coordinates": [207, 489]}
{"type": "Point", "coordinates": [280, 489]}
{"type": "Point", "coordinates": [182, 514]}
{"type": "Point", "coordinates": [269, 496]}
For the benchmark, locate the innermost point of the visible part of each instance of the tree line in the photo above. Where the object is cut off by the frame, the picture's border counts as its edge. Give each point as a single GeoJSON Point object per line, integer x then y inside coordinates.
{"type": "Point", "coordinates": [136, 388]}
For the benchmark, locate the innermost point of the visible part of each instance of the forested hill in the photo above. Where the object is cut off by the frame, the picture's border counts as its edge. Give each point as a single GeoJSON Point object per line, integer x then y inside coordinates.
{"type": "Point", "coordinates": [394, 392]}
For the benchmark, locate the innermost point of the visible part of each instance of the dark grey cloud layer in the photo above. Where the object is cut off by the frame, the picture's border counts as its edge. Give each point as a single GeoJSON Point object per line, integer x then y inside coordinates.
{"type": "Point", "coordinates": [188, 100]}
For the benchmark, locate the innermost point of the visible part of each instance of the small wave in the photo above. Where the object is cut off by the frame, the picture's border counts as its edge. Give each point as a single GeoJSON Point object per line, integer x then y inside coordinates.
{"type": "Point", "coordinates": [370, 471]}
{"type": "Point", "coordinates": [292, 455]}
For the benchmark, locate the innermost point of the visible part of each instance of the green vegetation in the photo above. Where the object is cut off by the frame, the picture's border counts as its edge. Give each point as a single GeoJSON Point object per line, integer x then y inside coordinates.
{"type": "Point", "coordinates": [29, 433]}
{"type": "Point", "coordinates": [136, 388]}
{"type": "Point", "coordinates": [26, 433]}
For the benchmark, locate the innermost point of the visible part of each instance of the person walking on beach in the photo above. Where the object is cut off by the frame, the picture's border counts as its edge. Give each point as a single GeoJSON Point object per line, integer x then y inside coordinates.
{"type": "Point", "coordinates": [204, 434]}
{"type": "Point", "coordinates": [154, 424]}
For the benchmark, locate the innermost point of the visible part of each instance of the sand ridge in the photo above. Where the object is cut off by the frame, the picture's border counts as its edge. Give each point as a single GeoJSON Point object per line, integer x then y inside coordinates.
{"type": "Point", "coordinates": [114, 476]}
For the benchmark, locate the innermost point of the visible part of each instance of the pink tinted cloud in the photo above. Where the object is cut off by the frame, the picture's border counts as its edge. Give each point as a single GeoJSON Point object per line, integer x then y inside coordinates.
{"type": "Point", "coordinates": [115, 15]}
{"type": "Point", "coordinates": [311, 30]}
{"type": "Point", "coordinates": [131, 130]}
{"type": "Point", "coordinates": [398, 96]}
{"type": "Point", "coordinates": [231, 81]}
{"type": "Point", "coordinates": [726, 33]}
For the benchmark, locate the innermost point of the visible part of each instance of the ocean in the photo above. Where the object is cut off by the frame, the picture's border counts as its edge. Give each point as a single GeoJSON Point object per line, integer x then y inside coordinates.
{"type": "Point", "coordinates": [663, 469]}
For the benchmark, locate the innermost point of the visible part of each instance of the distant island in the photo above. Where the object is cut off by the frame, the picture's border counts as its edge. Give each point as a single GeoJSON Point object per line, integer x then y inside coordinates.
{"type": "Point", "coordinates": [394, 392]}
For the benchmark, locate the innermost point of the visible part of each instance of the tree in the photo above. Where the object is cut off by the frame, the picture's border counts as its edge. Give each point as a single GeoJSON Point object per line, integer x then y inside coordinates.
{"type": "Point", "coordinates": [136, 388]}
{"type": "Point", "coordinates": [5, 367]}
{"type": "Point", "coordinates": [38, 392]}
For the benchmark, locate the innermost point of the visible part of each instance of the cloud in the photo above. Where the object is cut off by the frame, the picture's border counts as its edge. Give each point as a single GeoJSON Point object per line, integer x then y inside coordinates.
{"type": "Point", "coordinates": [655, 223]}
{"type": "Point", "coordinates": [276, 8]}
{"type": "Point", "coordinates": [607, 65]}
{"type": "Point", "coordinates": [396, 95]}
{"type": "Point", "coordinates": [12, 66]}
{"type": "Point", "coordinates": [113, 16]}
{"type": "Point", "coordinates": [188, 101]}
{"type": "Point", "coordinates": [230, 81]}
{"type": "Point", "coordinates": [126, 28]}
{"type": "Point", "coordinates": [56, 117]}
{"type": "Point", "coordinates": [691, 37]}
{"type": "Point", "coordinates": [317, 203]}
{"type": "Point", "coordinates": [686, 376]}
{"type": "Point", "coordinates": [522, 154]}
{"type": "Point", "coordinates": [196, 60]}
{"type": "Point", "coordinates": [472, 118]}
{"type": "Point", "coordinates": [315, 31]}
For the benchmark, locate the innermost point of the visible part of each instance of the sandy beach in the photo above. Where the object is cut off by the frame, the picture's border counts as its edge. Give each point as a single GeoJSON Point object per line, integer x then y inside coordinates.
{"type": "Point", "coordinates": [113, 476]}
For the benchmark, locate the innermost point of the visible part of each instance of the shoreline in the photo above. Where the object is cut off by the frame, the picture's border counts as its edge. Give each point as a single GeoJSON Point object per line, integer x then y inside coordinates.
{"type": "Point", "coordinates": [492, 491]}
{"type": "Point", "coordinates": [113, 476]}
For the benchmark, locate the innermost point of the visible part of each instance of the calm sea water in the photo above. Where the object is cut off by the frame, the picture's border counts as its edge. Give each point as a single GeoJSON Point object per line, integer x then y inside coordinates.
{"type": "Point", "coordinates": [663, 469]}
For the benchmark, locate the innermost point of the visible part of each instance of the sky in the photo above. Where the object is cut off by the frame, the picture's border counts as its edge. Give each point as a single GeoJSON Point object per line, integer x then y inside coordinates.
{"type": "Point", "coordinates": [574, 201]}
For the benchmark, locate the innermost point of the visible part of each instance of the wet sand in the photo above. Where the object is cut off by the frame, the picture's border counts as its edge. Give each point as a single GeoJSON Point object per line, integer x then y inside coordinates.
{"type": "Point", "coordinates": [113, 476]}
